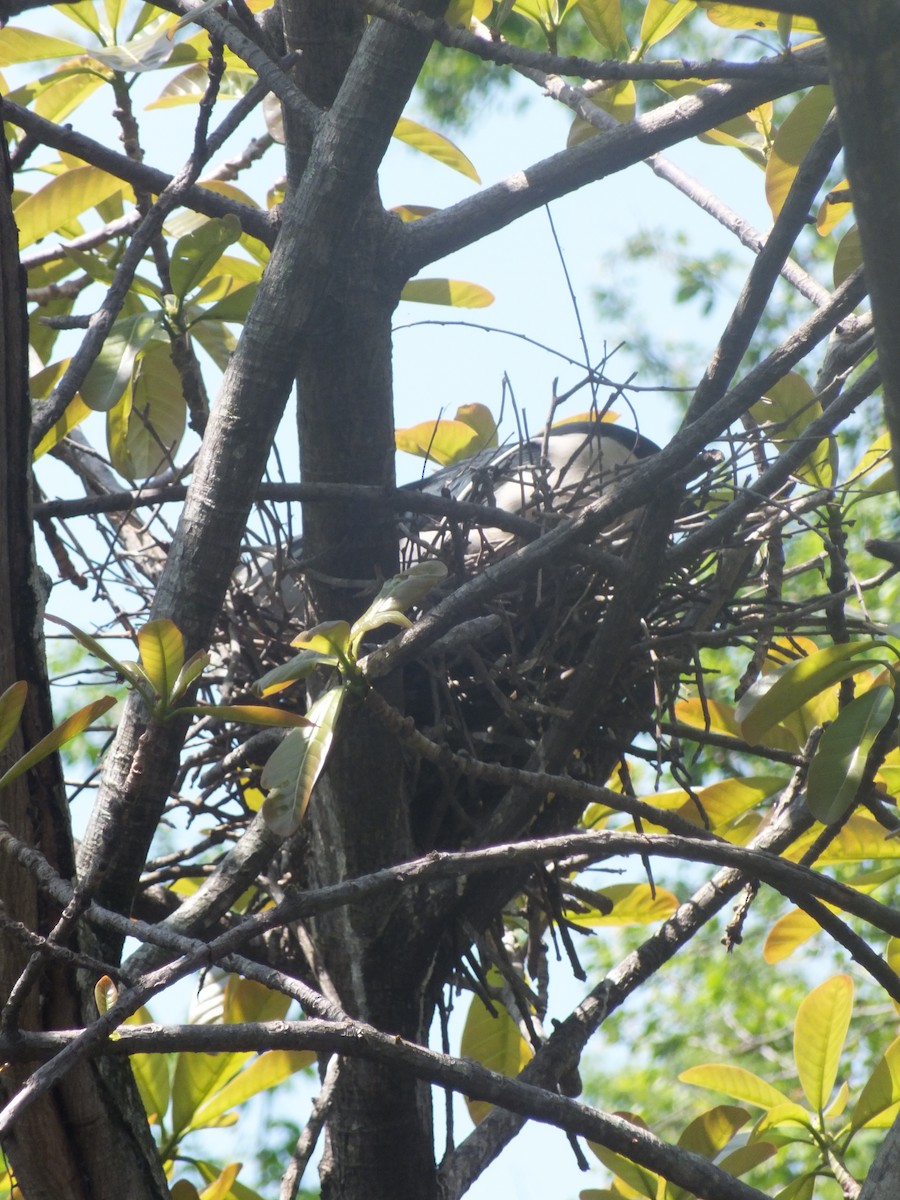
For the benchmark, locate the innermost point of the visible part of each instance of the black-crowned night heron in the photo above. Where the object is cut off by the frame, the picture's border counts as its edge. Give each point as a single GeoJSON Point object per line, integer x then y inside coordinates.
{"type": "Point", "coordinates": [545, 477]}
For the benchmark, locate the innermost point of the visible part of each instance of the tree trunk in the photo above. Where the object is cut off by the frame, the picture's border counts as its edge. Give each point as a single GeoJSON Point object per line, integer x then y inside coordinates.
{"type": "Point", "coordinates": [87, 1139]}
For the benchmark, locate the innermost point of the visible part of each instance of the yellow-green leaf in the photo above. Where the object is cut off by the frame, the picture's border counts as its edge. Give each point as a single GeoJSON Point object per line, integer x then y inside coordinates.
{"type": "Point", "coordinates": [640, 1181]}
{"type": "Point", "coordinates": [75, 412]}
{"type": "Point", "coordinates": [436, 146]}
{"type": "Point", "coordinates": [848, 256]}
{"type": "Point", "coordinates": [444, 442]}
{"type": "Point", "coordinates": [111, 373]}
{"type": "Point", "coordinates": [19, 45]}
{"type": "Point", "coordinates": [246, 1001]}
{"type": "Point", "coordinates": [249, 714]}
{"type": "Point", "coordinates": [785, 690]}
{"type": "Point", "coordinates": [292, 771]}
{"type": "Point", "coordinates": [790, 931]}
{"type": "Point", "coordinates": [145, 428]}
{"type": "Point", "coordinates": [402, 591]}
{"type": "Point", "coordinates": [64, 732]}
{"type": "Point", "coordinates": [263, 1073]}
{"type": "Point", "coordinates": [604, 19]}
{"type": "Point", "coordinates": [11, 704]}
{"type": "Point", "coordinates": [298, 667]}
{"type": "Point", "coordinates": [736, 1082]}
{"type": "Point", "coordinates": [660, 18]}
{"type": "Point", "coordinates": [151, 1073]}
{"type": "Point", "coordinates": [745, 16]}
{"type": "Point", "coordinates": [456, 293]}
{"type": "Point", "coordinates": [496, 1043]}
{"type": "Point", "coordinates": [632, 904]}
{"type": "Point", "coordinates": [105, 994]}
{"type": "Point", "coordinates": [792, 142]}
{"type": "Point", "coordinates": [328, 638]}
{"type": "Point", "coordinates": [819, 1034]}
{"type": "Point", "coordinates": [834, 208]}
{"type": "Point", "coordinates": [881, 1090]}
{"type": "Point", "coordinates": [161, 644]}
{"type": "Point", "coordinates": [198, 1078]}
{"type": "Point", "coordinates": [64, 197]}
{"type": "Point", "coordinates": [711, 1132]}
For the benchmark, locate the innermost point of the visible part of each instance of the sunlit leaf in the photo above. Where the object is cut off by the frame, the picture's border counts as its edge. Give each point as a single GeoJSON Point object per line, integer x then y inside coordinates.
{"type": "Point", "coordinates": [143, 53]}
{"type": "Point", "coordinates": [75, 412]}
{"type": "Point", "coordinates": [604, 19]}
{"type": "Point", "coordinates": [453, 292]}
{"type": "Point", "coordinates": [640, 1180]}
{"type": "Point", "coordinates": [881, 1090]}
{"type": "Point", "coordinates": [660, 18]}
{"type": "Point", "coordinates": [246, 1001]}
{"type": "Point", "coordinates": [847, 257]}
{"type": "Point", "coordinates": [250, 714]}
{"type": "Point", "coordinates": [495, 1042]}
{"type": "Point", "coordinates": [711, 1132]}
{"type": "Point", "coordinates": [444, 442]}
{"type": "Point", "coordinates": [435, 145]}
{"type": "Point", "coordinates": [24, 45]}
{"type": "Point", "coordinates": [292, 771]}
{"type": "Point", "coordinates": [399, 593]}
{"type": "Point", "coordinates": [197, 1079]}
{"type": "Point", "coordinates": [265, 1072]}
{"type": "Point", "coordinates": [151, 1073]}
{"type": "Point", "coordinates": [776, 695]}
{"type": "Point", "coordinates": [105, 994]}
{"type": "Point", "coordinates": [64, 732]}
{"type": "Point", "coordinates": [819, 1034]}
{"type": "Point", "coordinates": [736, 1082]}
{"type": "Point", "coordinates": [328, 638]}
{"type": "Point", "coordinates": [190, 86]}
{"type": "Point", "coordinates": [299, 667]}
{"type": "Point", "coordinates": [161, 645]}
{"type": "Point", "coordinates": [11, 704]}
{"type": "Point", "coordinates": [836, 205]}
{"type": "Point", "coordinates": [195, 255]}
{"type": "Point", "coordinates": [790, 931]}
{"type": "Point", "coordinates": [413, 212]}
{"type": "Point", "coordinates": [144, 430]}
{"type": "Point", "coordinates": [66, 196]}
{"type": "Point", "coordinates": [793, 141]}
{"type": "Point", "coordinates": [632, 904]}
{"type": "Point", "coordinates": [746, 16]}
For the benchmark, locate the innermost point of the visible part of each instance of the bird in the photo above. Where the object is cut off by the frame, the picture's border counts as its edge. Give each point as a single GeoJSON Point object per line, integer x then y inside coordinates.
{"type": "Point", "coordinates": [556, 472]}
{"type": "Point", "coordinates": [545, 477]}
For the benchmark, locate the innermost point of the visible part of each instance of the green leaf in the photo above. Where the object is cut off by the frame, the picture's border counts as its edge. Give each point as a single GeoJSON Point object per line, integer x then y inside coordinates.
{"type": "Point", "coordinates": [444, 442]}
{"type": "Point", "coordinates": [195, 255]}
{"type": "Point", "coordinates": [847, 257]}
{"type": "Point", "coordinates": [660, 18]}
{"type": "Point", "coordinates": [265, 1072]}
{"type": "Point", "coordinates": [63, 198]}
{"type": "Point", "coordinates": [784, 412]}
{"type": "Point", "coordinates": [330, 638]}
{"type": "Point", "coordinates": [494, 1040]}
{"type": "Point", "coordinates": [292, 771]}
{"type": "Point", "coordinates": [75, 412]}
{"type": "Point", "coordinates": [454, 292]}
{"type": "Point", "coordinates": [151, 1073]}
{"type": "Point", "coordinates": [24, 45]}
{"type": "Point", "coordinates": [130, 672]}
{"type": "Point", "coordinates": [711, 1132]}
{"type": "Point", "coordinates": [819, 1034]}
{"type": "Point", "coordinates": [144, 53]}
{"type": "Point", "coordinates": [790, 931]}
{"type": "Point", "coordinates": [881, 1090]}
{"type": "Point", "coordinates": [436, 146]}
{"type": "Point", "coordinates": [11, 704]}
{"type": "Point", "coordinates": [785, 690]}
{"type": "Point", "coordinates": [144, 430]}
{"type": "Point", "coordinates": [631, 904]}
{"type": "Point", "coordinates": [839, 764]}
{"type": "Point", "coordinates": [792, 143]}
{"type": "Point", "coordinates": [64, 732]}
{"type": "Point", "coordinates": [250, 714]}
{"type": "Point", "coordinates": [247, 1001]}
{"type": "Point", "coordinates": [192, 670]}
{"type": "Point", "coordinates": [233, 307]}
{"type": "Point", "coordinates": [161, 645]}
{"type": "Point", "coordinates": [111, 373]}
{"type": "Point", "coordinates": [638, 1179]}
{"type": "Point", "coordinates": [68, 91]}
{"type": "Point", "coordinates": [399, 593]}
{"type": "Point", "coordinates": [105, 994]}
{"type": "Point", "coordinates": [299, 667]}
{"type": "Point", "coordinates": [604, 19]}
{"type": "Point", "coordinates": [736, 1082]}
{"type": "Point", "coordinates": [745, 16]}
{"type": "Point", "coordinates": [197, 1079]}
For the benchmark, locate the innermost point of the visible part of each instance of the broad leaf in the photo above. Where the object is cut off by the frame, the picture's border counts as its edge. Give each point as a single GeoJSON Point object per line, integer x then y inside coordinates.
{"type": "Point", "coordinates": [63, 198]}
{"type": "Point", "coordinates": [881, 1090]}
{"type": "Point", "coordinates": [839, 764]}
{"type": "Point", "coordinates": [299, 667]}
{"type": "Point", "coordinates": [746, 16]}
{"type": "Point", "coordinates": [631, 904]}
{"type": "Point", "coordinates": [495, 1042]}
{"type": "Point", "coordinates": [250, 714]}
{"type": "Point", "coordinates": [111, 373]}
{"type": "Point", "coordinates": [151, 1073]}
{"type": "Point", "coordinates": [436, 146]}
{"type": "Point", "coordinates": [265, 1072]}
{"type": "Point", "coordinates": [64, 732]}
{"type": "Point", "coordinates": [736, 1082]}
{"type": "Point", "coordinates": [793, 141]}
{"type": "Point", "coordinates": [709, 1134]}
{"type": "Point", "coordinates": [292, 771]}
{"type": "Point", "coordinates": [785, 690]}
{"type": "Point", "coordinates": [144, 430]}
{"type": "Point", "coordinates": [24, 45]}
{"type": "Point", "coordinates": [847, 257]}
{"type": "Point", "coordinates": [819, 1034]}
{"type": "Point", "coordinates": [11, 704]}
{"type": "Point", "coordinates": [444, 442]}
{"type": "Point", "coordinates": [161, 646]}
{"type": "Point", "coordinates": [399, 593]}
{"type": "Point", "coordinates": [454, 292]}
{"type": "Point", "coordinates": [660, 18]}
{"type": "Point", "coordinates": [196, 254]}
{"type": "Point", "coordinates": [604, 19]}
{"type": "Point", "coordinates": [790, 931]}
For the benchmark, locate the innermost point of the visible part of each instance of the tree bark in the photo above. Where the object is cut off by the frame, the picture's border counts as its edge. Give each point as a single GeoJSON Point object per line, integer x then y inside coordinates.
{"type": "Point", "coordinates": [88, 1138]}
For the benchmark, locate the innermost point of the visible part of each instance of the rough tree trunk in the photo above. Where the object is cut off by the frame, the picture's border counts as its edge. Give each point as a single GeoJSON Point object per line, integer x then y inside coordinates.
{"type": "Point", "coordinates": [77, 1141]}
